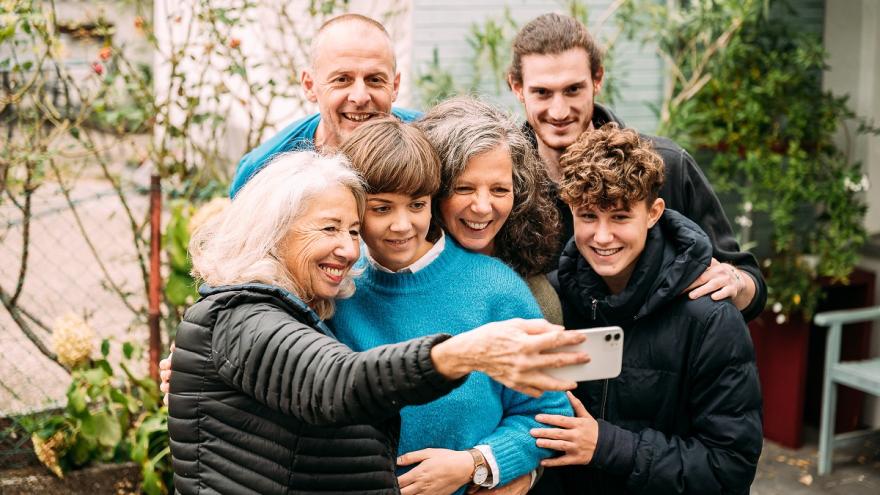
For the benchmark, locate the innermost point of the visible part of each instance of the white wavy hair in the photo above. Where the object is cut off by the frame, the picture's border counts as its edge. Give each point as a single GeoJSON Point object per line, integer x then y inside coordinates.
{"type": "Point", "coordinates": [242, 243]}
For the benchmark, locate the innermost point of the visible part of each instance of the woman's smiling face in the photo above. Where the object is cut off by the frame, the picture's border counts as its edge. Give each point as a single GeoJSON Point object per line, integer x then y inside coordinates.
{"type": "Point", "coordinates": [480, 201]}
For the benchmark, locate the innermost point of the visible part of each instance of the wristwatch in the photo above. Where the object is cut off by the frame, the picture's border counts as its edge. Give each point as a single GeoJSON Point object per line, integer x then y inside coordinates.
{"type": "Point", "coordinates": [482, 474]}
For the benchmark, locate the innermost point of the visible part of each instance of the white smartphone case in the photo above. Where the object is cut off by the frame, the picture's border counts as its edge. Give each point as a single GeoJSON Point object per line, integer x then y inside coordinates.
{"type": "Point", "coordinates": [604, 345]}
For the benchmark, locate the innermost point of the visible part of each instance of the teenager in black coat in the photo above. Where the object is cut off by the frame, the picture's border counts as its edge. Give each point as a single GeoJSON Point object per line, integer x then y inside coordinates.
{"type": "Point", "coordinates": [684, 416]}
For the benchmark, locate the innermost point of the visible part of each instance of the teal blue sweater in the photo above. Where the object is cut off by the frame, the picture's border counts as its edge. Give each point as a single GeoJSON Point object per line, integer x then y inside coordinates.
{"type": "Point", "coordinates": [457, 292]}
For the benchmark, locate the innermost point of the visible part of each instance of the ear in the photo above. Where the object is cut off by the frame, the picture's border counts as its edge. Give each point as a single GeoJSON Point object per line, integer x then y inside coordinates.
{"type": "Point", "coordinates": [396, 87]}
{"type": "Point", "coordinates": [308, 83]}
{"type": "Point", "coordinates": [655, 210]}
{"type": "Point", "coordinates": [597, 82]}
{"type": "Point", "coordinates": [517, 88]}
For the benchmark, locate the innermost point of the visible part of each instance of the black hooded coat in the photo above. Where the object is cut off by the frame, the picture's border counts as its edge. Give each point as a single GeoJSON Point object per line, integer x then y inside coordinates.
{"type": "Point", "coordinates": [684, 416]}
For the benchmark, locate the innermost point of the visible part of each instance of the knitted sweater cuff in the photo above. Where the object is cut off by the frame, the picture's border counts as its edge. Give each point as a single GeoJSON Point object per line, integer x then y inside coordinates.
{"type": "Point", "coordinates": [512, 459]}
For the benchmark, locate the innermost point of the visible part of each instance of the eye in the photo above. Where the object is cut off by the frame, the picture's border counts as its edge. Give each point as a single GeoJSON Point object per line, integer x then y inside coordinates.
{"type": "Point", "coordinates": [418, 205]}
{"type": "Point", "coordinates": [501, 190]}
{"type": "Point", "coordinates": [620, 217]}
{"type": "Point", "coordinates": [540, 92]}
{"type": "Point", "coordinates": [332, 229]}
{"type": "Point", "coordinates": [463, 190]}
{"type": "Point", "coordinates": [354, 233]}
{"type": "Point", "coordinates": [341, 79]}
{"type": "Point", "coordinates": [379, 210]}
{"type": "Point", "coordinates": [573, 90]}
{"type": "Point", "coordinates": [377, 80]}
{"type": "Point", "coordinates": [587, 215]}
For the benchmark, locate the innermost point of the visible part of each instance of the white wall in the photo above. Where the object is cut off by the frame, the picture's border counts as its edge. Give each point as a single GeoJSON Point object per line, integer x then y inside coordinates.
{"type": "Point", "coordinates": [852, 35]}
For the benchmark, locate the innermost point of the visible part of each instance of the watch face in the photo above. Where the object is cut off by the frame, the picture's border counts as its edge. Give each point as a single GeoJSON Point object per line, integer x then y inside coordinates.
{"type": "Point", "coordinates": [480, 475]}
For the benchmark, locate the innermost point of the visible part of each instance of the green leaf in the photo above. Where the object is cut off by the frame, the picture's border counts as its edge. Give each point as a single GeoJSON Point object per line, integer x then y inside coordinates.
{"type": "Point", "coordinates": [105, 347]}
{"type": "Point", "coordinates": [95, 376]}
{"type": "Point", "coordinates": [107, 430]}
{"type": "Point", "coordinates": [77, 400]}
{"type": "Point", "coordinates": [127, 350]}
{"type": "Point", "coordinates": [179, 288]}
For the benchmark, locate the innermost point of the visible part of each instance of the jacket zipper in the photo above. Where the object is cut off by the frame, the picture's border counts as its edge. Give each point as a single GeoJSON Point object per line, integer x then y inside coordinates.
{"type": "Point", "coordinates": [604, 399]}
{"type": "Point", "coordinates": [595, 303]}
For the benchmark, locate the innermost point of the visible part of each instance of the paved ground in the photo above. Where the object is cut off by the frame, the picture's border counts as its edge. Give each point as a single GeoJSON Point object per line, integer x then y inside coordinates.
{"type": "Point", "coordinates": [784, 471]}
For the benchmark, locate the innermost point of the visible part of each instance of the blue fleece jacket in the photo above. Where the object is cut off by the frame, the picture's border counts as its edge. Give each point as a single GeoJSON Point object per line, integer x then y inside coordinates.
{"type": "Point", "coordinates": [457, 292]}
{"type": "Point", "coordinates": [298, 136]}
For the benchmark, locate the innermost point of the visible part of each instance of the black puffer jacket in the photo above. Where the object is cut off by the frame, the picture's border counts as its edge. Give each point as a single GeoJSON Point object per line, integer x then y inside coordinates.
{"type": "Point", "coordinates": [684, 416]}
{"type": "Point", "coordinates": [687, 191]}
{"type": "Point", "coordinates": [264, 400]}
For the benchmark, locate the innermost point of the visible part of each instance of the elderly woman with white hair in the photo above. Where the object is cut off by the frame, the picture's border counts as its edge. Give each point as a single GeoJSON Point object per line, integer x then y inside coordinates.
{"type": "Point", "coordinates": [263, 398]}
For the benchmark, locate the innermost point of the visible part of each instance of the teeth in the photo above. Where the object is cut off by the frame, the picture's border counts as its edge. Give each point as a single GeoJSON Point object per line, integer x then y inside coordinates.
{"type": "Point", "coordinates": [358, 117]}
{"type": "Point", "coordinates": [336, 272]}
{"type": "Point", "coordinates": [606, 252]}
{"type": "Point", "coordinates": [475, 225]}
{"type": "Point", "coordinates": [398, 241]}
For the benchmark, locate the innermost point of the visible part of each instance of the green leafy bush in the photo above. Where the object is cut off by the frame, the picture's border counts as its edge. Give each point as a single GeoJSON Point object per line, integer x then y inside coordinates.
{"type": "Point", "coordinates": [109, 417]}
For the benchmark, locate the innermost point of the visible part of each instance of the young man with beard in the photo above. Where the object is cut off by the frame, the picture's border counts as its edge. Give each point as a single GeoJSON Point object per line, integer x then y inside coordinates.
{"type": "Point", "coordinates": [556, 73]}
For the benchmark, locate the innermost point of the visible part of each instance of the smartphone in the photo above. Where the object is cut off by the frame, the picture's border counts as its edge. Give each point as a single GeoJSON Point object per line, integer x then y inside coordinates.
{"type": "Point", "coordinates": [604, 345]}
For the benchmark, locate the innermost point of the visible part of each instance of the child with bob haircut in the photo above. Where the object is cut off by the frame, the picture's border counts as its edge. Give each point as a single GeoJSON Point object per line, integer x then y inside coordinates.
{"type": "Point", "coordinates": [684, 416]}
{"type": "Point", "coordinates": [417, 281]}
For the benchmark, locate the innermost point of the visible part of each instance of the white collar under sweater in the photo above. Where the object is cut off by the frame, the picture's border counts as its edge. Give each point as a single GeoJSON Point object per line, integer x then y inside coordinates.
{"type": "Point", "coordinates": [418, 264]}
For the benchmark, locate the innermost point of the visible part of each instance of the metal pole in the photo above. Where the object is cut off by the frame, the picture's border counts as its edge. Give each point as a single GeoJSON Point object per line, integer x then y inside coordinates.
{"type": "Point", "coordinates": [155, 277]}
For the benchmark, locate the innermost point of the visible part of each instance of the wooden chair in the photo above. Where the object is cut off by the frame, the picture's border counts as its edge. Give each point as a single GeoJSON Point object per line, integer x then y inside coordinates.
{"type": "Point", "coordinates": [860, 375]}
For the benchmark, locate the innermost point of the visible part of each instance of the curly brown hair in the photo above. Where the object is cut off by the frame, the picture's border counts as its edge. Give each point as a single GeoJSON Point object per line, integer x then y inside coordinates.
{"type": "Point", "coordinates": [463, 127]}
{"type": "Point", "coordinates": [610, 168]}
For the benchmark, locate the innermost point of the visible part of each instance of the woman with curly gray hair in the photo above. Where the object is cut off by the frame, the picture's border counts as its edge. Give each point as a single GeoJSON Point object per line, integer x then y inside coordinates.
{"type": "Point", "coordinates": [495, 195]}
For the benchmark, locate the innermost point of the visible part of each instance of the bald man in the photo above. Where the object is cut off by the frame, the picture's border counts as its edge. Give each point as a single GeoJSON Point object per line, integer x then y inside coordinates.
{"type": "Point", "coordinates": [352, 77]}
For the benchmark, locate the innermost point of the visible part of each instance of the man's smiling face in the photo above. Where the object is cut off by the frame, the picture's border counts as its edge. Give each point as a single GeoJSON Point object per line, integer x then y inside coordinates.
{"type": "Point", "coordinates": [352, 79]}
{"type": "Point", "coordinates": [557, 91]}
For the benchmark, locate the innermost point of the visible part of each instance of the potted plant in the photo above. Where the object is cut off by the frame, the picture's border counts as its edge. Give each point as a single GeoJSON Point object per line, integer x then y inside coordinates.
{"type": "Point", "coordinates": [745, 96]}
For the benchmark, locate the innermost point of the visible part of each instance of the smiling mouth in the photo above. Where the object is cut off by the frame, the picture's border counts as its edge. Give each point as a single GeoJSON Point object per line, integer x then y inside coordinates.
{"type": "Point", "coordinates": [478, 226]}
{"type": "Point", "coordinates": [334, 272]}
{"type": "Point", "coordinates": [358, 117]}
{"type": "Point", "coordinates": [606, 252]}
{"type": "Point", "coordinates": [398, 243]}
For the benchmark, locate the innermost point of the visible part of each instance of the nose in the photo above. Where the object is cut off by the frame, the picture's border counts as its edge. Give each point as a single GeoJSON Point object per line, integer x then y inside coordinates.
{"type": "Point", "coordinates": [348, 249]}
{"type": "Point", "coordinates": [358, 93]}
{"type": "Point", "coordinates": [401, 223]}
{"type": "Point", "coordinates": [481, 203]}
{"type": "Point", "coordinates": [558, 108]}
{"type": "Point", "coordinates": [603, 233]}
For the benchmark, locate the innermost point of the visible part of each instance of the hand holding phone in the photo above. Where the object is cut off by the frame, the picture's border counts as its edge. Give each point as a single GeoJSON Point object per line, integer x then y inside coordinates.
{"type": "Point", "coordinates": [604, 345]}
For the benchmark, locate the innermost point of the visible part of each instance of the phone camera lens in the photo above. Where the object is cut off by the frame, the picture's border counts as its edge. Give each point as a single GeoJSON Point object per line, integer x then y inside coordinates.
{"type": "Point", "coordinates": [607, 337]}
{"type": "Point", "coordinates": [616, 336]}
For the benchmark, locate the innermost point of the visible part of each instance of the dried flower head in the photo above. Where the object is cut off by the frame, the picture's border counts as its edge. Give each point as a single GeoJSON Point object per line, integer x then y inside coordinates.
{"type": "Point", "coordinates": [73, 340]}
{"type": "Point", "coordinates": [47, 451]}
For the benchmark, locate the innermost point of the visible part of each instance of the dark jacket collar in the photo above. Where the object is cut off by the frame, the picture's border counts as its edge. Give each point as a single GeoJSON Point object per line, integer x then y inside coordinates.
{"type": "Point", "coordinates": [676, 253]}
{"type": "Point", "coordinates": [288, 300]}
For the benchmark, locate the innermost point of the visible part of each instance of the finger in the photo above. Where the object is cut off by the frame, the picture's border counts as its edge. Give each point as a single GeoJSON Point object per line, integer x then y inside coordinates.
{"type": "Point", "coordinates": [172, 348]}
{"type": "Point", "coordinates": [525, 389]}
{"type": "Point", "coordinates": [557, 420]}
{"type": "Point", "coordinates": [165, 375]}
{"type": "Point", "coordinates": [565, 460]}
{"type": "Point", "coordinates": [165, 364]}
{"type": "Point", "coordinates": [724, 293]}
{"type": "Point", "coordinates": [709, 287]}
{"type": "Point", "coordinates": [560, 445]}
{"type": "Point", "coordinates": [579, 410]}
{"type": "Point", "coordinates": [165, 399]}
{"type": "Point", "coordinates": [537, 326]}
{"type": "Point", "coordinates": [406, 479]}
{"type": "Point", "coordinates": [163, 387]}
{"type": "Point", "coordinates": [413, 457]}
{"type": "Point", "coordinates": [552, 340]}
{"type": "Point", "coordinates": [556, 360]}
{"type": "Point", "coordinates": [550, 433]}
